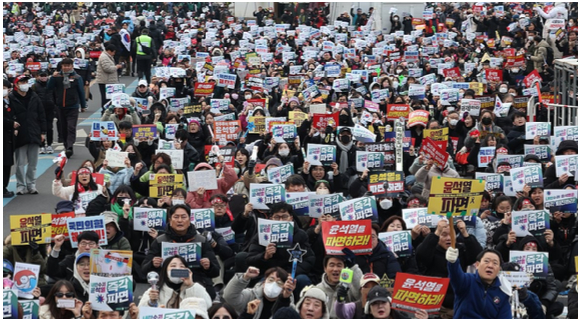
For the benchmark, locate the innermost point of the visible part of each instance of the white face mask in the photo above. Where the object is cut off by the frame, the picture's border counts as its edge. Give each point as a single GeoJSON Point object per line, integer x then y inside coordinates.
{"type": "Point", "coordinates": [503, 90]}
{"type": "Point", "coordinates": [395, 85]}
{"type": "Point", "coordinates": [175, 280]}
{"type": "Point", "coordinates": [235, 96]}
{"type": "Point", "coordinates": [530, 38]}
{"type": "Point", "coordinates": [24, 87]}
{"type": "Point", "coordinates": [386, 204]}
{"type": "Point", "coordinates": [515, 70]}
{"type": "Point", "coordinates": [272, 290]}
{"type": "Point", "coordinates": [178, 201]}
{"type": "Point", "coordinates": [284, 152]}
{"type": "Point", "coordinates": [398, 71]}
{"type": "Point", "coordinates": [322, 191]}
{"type": "Point", "coordinates": [248, 97]}
{"type": "Point", "coordinates": [5, 92]}
{"type": "Point", "coordinates": [453, 122]}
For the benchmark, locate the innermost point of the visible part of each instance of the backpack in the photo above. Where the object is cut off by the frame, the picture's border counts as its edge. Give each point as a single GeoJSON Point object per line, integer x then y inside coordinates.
{"type": "Point", "coordinates": [549, 56]}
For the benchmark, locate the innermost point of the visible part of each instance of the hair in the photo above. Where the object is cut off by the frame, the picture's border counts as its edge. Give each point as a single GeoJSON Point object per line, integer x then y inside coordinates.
{"type": "Point", "coordinates": [88, 235]}
{"type": "Point", "coordinates": [166, 159]}
{"type": "Point", "coordinates": [281, 273]}
{"type": "Point", "coordinates": [180, 191]}
{"type": "Point", "coordinates": [150, 200]}
{"type": "Point", "coordinates": [123, 189]}
{"type": "Point", "coordinates": [182, 135]}
{"type": "Point", "coordinates": [145, 31]}
{"type": "Point", "coordinates": [125, 125]}
{"type": "Point", "coordinates": [174, 208]}
{"type": "Point", "coordinates": [422, 200]}
{"type": "Point", "coordinates": [537, 38]}
{"type": "Point", "coordinates": [327, 257]}
{"type": "Point", "coordinates": [136, 151]}
{"type": "Point", "coordinates": [66, 61]}
{"type": "Point", "coordinates": [216, 306]}
{"type": "Point", "coordinates": [499, 199]}
{"type": "Point", "coordinates": [170, 117]}
{"type": "Point", "coordinates": [51, 299]}
{"type": "Point", "coordinates": [282, 206]}
{"type": "Point", "coordinates": [520, 202]}
{"type": "Point", "coordinates": [165, 166]}
{"type": "Point", "coordinates": [295, 179]}
{"type": "Point", "coordinates": [489, 250]}
{"type": "Point", "coordinates": [91, 185]}
{"type": "Point", "coordinates": [375, 226]}
{"type": "Point", "coordinates": [110, 47]}
{"type": "Point", "coordinates": [163, 275]}
{"type": "Point", "coordinates": [89, 161]}
{"type": "Point", "coordinates": [390, 220]}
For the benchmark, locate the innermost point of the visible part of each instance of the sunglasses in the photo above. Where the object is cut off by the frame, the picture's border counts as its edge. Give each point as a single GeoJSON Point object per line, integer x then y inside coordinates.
{"type": "Point", "coordinates": [68, 294]}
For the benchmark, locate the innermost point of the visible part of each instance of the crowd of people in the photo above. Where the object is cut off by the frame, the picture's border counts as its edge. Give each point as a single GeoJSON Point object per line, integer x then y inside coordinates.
{"type": "Point", "coordinates": [464, 70]}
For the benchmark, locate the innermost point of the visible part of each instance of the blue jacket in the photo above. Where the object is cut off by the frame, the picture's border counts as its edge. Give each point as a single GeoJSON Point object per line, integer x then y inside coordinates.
{"type": "Point", "coordinates": [474, 300]}
{"type": "Point", "coordinates": [121, 177]}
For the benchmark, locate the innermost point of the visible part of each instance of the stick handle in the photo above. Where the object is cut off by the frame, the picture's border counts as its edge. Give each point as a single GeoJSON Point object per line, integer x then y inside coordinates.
{"type": "Point", "coordinates": [452, 231]}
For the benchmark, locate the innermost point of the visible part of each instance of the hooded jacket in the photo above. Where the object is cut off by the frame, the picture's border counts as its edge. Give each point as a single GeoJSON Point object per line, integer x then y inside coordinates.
{"type": "Point", "coordinates": [194, 200]}
{"type": "Point", "coordinates": [29, 113]}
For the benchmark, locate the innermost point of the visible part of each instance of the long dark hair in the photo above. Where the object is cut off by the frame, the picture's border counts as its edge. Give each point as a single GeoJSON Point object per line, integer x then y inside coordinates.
{"type": "Point", "coordinates": [215, 307]}
{"type": "Point", "coordinates": [92, 186]}
{"type": "Point", "coordinates": [51, 300]}
{"type": "Point", "coordinates": [123, 189]}
{"type": "Point", "coordinates": [164, 276]}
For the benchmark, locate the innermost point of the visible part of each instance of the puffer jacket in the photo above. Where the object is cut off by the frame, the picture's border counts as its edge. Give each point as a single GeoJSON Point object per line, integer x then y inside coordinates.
{"type": "Point", "coordinates": [166, 293]}
{"type": "Point", "coordinates": [106, 73]}
{"type": "Point", "coordinates": [380, 262]}
{"type": "Point", "coordinates": [539, 57]}
{"type": "Point", "coordinates": [353, 294]}
{"type": "Point", "coordinates": [118, 177]}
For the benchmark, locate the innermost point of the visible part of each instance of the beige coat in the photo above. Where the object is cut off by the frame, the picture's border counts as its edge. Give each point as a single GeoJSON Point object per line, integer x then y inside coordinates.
{"type": "Point", "coordinates": [106, 73]}
{"type": "Point", "coordinates": [539, 57]}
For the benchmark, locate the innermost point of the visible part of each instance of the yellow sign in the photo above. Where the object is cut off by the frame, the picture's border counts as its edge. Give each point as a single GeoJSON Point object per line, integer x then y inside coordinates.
{"type": "Point", "coordinates": [298, 117]}
{"type": "Point", "coordinates": [437, 134]}
{"type": "Point", "coordinates": [258, 126]}
{"type": "Point", "coordinates": [33, 228]}
{"type": "Point", "coordinates": [164, 184]}
{"type": "Point", "coordinates": [455, 196]}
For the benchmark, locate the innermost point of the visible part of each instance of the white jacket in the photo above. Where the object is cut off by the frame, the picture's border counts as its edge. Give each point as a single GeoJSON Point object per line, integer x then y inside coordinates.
{"type": "Point", "coordinates": [67, 192]}
{"type": "Point", "coordinates": [165, 294]}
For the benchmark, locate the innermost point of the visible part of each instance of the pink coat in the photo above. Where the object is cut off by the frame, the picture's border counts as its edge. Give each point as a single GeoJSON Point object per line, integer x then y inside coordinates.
{"type": "Point", "coordinates": [195, 201]}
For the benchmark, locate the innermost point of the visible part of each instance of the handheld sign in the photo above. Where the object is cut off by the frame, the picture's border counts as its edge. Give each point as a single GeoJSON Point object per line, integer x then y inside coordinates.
{"type": "Point", "coordinates": [413, 292]}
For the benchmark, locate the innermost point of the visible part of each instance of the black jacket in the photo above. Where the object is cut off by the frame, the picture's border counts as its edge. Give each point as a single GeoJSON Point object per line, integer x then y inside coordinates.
{"type": "Point", "coordinates": [380, 262]}
{"type": "Point", "coordinates": [61, 267]}
{"type": "Point", "coordinates": [45, 95]}
{"type": "Point", "coordinates": [8, 135]}
{"type": "Point", "coordinates": [29, 113]}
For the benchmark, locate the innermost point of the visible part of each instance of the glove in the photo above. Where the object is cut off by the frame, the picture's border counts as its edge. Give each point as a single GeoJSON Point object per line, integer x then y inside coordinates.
{"type": "Point", "coordinates": [251, 166]}
{"type": "Point", "coordinates": [342, 291]}
{"type": "Point", "coordinates": [452, 254]}
{"type": "Point", "coordinates": [522, 293]}
{"type": "Point", "coordinates": [349, 257]}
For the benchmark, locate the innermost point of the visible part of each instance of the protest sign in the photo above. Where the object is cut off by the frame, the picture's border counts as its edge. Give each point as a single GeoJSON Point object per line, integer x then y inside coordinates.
{"type": "Point", "coordinates": [32, 228]}
{"type": "Point", "coordinates": [203, 218]}
{"type": "Point", "coordinates": [30, 309]}
{"type": "Point", "coordinates": [278, 232]}
{"type": "Point", "coordinates": [515, 161]}
{"type": "Point", "coordinates": [318, 154]}
{"type": "Point", "coordinates": [103, 131]}
{"type": "Point", "coordinates": [566, 164]}
{"type": "Point", "coordinates": [455, 196]}
{"type": "Point", "coordinates": [164, 184]}
{"type": "Point", "coordinates": [83, 200]}
{"type": "Point", "coordinates": [227, 233]}
{"type": "Point", "coordinates": [263, 196]}
{"type": "Point", "coordinates": [359, 208]}
{"type": "Point", "coordinates": [397, 111]}
{"type": "Point", "coordinates": [321, 121]}
{"type": "Point", "coordinates": [369, 160]}
{"type": "Point", "coordinates": [202, 179]}
{"type": "Point", "coordinates": [327, 204]}
{"type": "Point", "coordinates": [191, 252]}
{"type": "Point", "coordinates": [110, 293]}
{"type": "Point", "coordinates": [557, 200]}
{"type": "Point", "coordinates": [256, 124]}
{"type": "Point", "coordinates": [517, 278]}
{"type": "Point", "coordinates": [531, 262]}
{"type": "Point", "coordinates": [177, 157]}
{"type": "Point", "coordinates": [170, 130]}
{"type": "Point", "coordinates": [419, 117]}
{"type": "Point", "coordinates": [164, 313]}
{"type": "Point", "coordinates": [527, 175]}
{"type": "Point", "coordinates": [204, 89]}
{"type": "Point", "coordinates": [494, 75]}
{"type": "Point", "coordinates": [537, 129]}
{"type": "Point", "coordinates": [279, 175]}
{"type": "Point", "coordinates": [563, 133]}
{"type": "Point", "coordinates": [112, 89]}
{"type": "Point", "coordinates": [116, 158]}
{"type": "Point", "coordinates": [413, 292]}
{"type": "Point", "coordinates": [144, 131]}
{"type": "Point", "coordinates": [531, 78]}
{"type": "Point", "coordinates": [435, 153]}
{"type": "Point", "coordinates": [226, 80]}
{"type": "Point", "coordinates": [10, 302]}
{"type": "Point", "coordinates": [354, 235]}
{"type": "Point", "coordinates": [486, 155]}
{"type": "Point", "coordinates": [297, 117]}
{"type": "Point", "coordinates": [111, 263]}
{"type": "Point", "coordinates": [471, 106]}
{"type": "Point", "coordinates": [494, 182]}
{"type": "Point", "coordinates": [437, 134]}
{"type": "Point", "coordinates": [78, 225]}
{"type": "Point", "coordinates": [362, 134]}
{"type": "Point", "coordinates": [26, 278]}
{"type": "Point", "coordinates": [59, 223]}
{"type": "Point", "coordinates": [386, 184]}
{"type": "Point", "coordinates": [226, 130]}
{"type": "Point", "coordinates": [542, 151]}
{"type": "Point", "coordinates": [398, 242]}
{"type": "Point", "coordinates": [533, 222]}
{"type": "Point", "coordinates": [147, 218]}
{"type": "Point", "coordinates": [419, 216]}
{"type": "Point", "coordinates": [167, 92]}
{"type": "Point", "coordinates": [300, 202]}
{"type": "Point", "coordinates": [284, 133]}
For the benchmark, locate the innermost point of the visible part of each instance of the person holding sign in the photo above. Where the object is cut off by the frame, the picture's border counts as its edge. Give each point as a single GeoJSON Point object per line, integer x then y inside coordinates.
{"type": "Point", "coordinates": [200, 197]}
{"type": "Point", "coordinates": [479, 295]}
{"type": "Point", "coordinates": [180, 230]}
{"type": "Point", "coordinates": [427, 173]}
{"type": "Point", "coordinates": [81, 278]}
{"type": "Point", "coordinates": [61, 302]}
{"type": "Point", "coordinates": [84, 184]}
{"type": "Point", "coordinates": [172, 287]}
{"type": "Point", "coordinates": [59, 266]}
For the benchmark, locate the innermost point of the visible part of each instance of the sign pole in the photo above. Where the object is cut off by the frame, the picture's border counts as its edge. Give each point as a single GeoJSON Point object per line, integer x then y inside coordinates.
{"type": "Point", "coordinates": [452, 231]}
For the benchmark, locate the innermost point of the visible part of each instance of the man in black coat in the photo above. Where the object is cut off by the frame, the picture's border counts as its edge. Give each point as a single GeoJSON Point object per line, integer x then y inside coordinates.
{"type": "Point", "coordinates": [29, 113]}
{"type": "Point", "coordinates": [47, 98]}
{"type": "Point", "coordinates": [9, 126]}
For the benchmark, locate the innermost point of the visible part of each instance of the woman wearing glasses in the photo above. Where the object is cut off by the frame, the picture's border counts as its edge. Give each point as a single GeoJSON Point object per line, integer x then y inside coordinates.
{"type": "Point", "coordinates": [52, 307]}
{"type": "Point", "coordinates": [81, 279]}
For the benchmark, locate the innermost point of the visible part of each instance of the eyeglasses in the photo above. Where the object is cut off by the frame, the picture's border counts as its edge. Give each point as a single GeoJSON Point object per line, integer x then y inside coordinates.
{"type": "Point", "coordinates": [62, 294]}
{"type": "Point", "coordinates": [271, 279]}
{"type": "Point", "coordinates": [108, 315]}
{"type": "Point", "coordinates": [83, 265]}
{"type": "Point", "coordinates": [87, 244]}
{"type": "Point", "coordinates": [280, 217]}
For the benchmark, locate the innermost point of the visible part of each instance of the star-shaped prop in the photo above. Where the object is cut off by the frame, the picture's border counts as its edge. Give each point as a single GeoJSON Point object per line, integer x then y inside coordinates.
{"type": "Point", "coordinates": [296, 253]}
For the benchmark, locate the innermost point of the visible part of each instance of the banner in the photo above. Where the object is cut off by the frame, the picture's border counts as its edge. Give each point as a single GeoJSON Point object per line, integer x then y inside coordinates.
{"type": "Point", "coordinates": [318, 154]}
{"type": "Point", "coordinates": [355, 235]}
{"type": "Point", "coordinates": [59, 223]}
{"type": "Point", "coordinates": [164, 184]}
{"type": "Point", "coordinates": [542, 151]}
{"type": "Point", "coordinates": [191, 252]}
{"type": "Point", "coordinates": [413, 292]}
{"type": "Point", "coordinates": [398, 242]}
{"type": "Point", "coordinates": [397, 111]}
{"type": "Point", "coordinates": [110, 293]}
{"type": "Point", "coordinates": [147, 218]}
{"type": "Point", "coordinates": [26, 278]}
{"type": "Point", "coordinates": [279, 175]}
{"type": "Point", "coordinates": [359, 208]}
{"type": "Point", "coordinates": [32, 228]}
{"type": "Point", "coordinates": [327, 204]}
{"type": "Point", "coordinates": [527, 175]}
{"type": "Point", "coordinates": [531, 262]}
{"type": "Point", "coordinates": [533, 222]}
{"type": "Point", "coordinates": [494, 182]}
{"type": "Point", "coordinates": [566, 164]}
{"type": "Point", "coordinates": [111, 263]}
{"type": "Point", "coordinates": [284, 133]}
{"type": "Point", "coordinates": [300, 202]}
{"type": "Point", "coordinates": [564, 201]}
{"type": "Point", "coordinates": [419, 117]}
{"type": "Point", "coordinates": [322, 121]}
{"type": "Point", "coordinates": [419, 216]}
{"type": "Point", "coordinates": [486, 155]}
{"type": "Point", "coordinates": [369, 160]}
{"type": "Point", "coordinates": [103, 131]}
{"type": "Point", "coordinates": [144, 131]}
{"type": "Point", "coordinates": [537, 129]}
{"type": "Point", "coordinates": [78, 225]}
{"type": "Point", "coordinates": [386, 184]}
{"type": "Point", "coordinates": [456, 196]}
{"type": "Point", "coordinates": [433, 152]}
{"type": "Point", "coordinates": [203, 218]}
{"type": "Point", "coordinates": [278, 232]}
{"type": "Point", "coordinates": [262, 196]}
{"type": "Point", "coordinates": [204, 89]}
{"type": "Point", "coordinates": [163, 313]}
{"type": "Point", "coordinates": [226, 130]}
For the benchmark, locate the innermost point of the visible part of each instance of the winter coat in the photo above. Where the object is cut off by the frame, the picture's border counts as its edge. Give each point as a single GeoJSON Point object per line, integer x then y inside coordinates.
{"type": "Point", "coordinates": [73, 97]}
{"type": "Point", "coordinates": [473, 299]}
{"type": "Point", "coordinates": [426, 177]}
{"type": "Point", "coordinates": [67, 192]}
{"type": "Point", "coordinates": [109, 115]}
{"type": "Point", "coordinates": [118, 178]}
{"type": "Point", "coordinates": [119, 242]}
{"type": "Point", "coordinates": [224, 184]}
{"type": "Point", "coordinates": [469, 142]}
{"type": "Point", "coordinates": [29, 113]}
{"type": "Point", "coordinates": [353, 294]}
{"type": "Point", "coordinates": [380, 262]}
{"type": "Point", "coordinates": [106, 73]}
{"type": "Point", "coordinates": [166, 293]}
{"type": "Point", "coordinates": [539, 57]}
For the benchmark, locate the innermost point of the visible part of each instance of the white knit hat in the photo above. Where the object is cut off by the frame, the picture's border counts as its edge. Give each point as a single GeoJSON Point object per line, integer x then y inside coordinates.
{"type": "Point", "coordinates": [197, 304]}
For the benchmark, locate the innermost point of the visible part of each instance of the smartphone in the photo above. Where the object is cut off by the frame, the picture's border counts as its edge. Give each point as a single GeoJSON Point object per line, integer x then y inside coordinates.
{"type": "Point", "coordinates": [180, 273]}
{"type": "Point", "coordinates": [65, 303]}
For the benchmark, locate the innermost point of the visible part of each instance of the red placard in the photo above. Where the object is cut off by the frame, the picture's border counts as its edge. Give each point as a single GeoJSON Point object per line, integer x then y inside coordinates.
{"type": "Point", "coordinates": [516, 61]}
{"type": "Point", "coordinates": [33, 66]}
{"type": "Point", "coordinates": [355, 235]}
{"type": "Point", "coordinates": [228, 153]}
{"type": "Point", "coordinates": [204, 89]}
{"type": "Point", "coordinates": [258, 102]}
{"type": "Point", "coordinates": [59, 226]}
{"type": "Point", "coordinates": [531, 78]}
{"type": "Point", "coordinates": [417, 21]}
{"type": "Point", "coordinates": [419, 117]}
{"type": "Point", "coordinates": [97, 177]}
{"type": "Point", "coordinates": [413, 292]}
{"type": "Point", "coordinates": [452, 73]}
{"type": "Point", "coordinates": [321, 121]}
{"type": "Point", "coordinates": [94, 54]}
{"type": "Point", "coordinates": [226, 130]}
{"type": "Point", "coordinates": [433, 152]}
{"type": "Point", "coordinates": [493, 75]}
{"type": "Point", "coordinates": [396, 111]}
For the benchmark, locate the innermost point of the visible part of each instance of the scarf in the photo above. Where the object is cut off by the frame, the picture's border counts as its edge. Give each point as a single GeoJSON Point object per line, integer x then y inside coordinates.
{"type": "Point", "coordinates": [344, 159]}
{"type": "Point", "coordinates": [66, 80]}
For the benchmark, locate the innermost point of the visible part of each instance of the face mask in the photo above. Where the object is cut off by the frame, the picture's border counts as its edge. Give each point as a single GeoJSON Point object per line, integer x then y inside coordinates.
{"type": "Point", "coordinates": [486, 121]}
{"type": "Point", "coordinates": [248, 97]}
{"type": "Point", "coordinates": [503, 90]}
{"type": "Point", "coordinates": [345, 139]}
{"type": "Point", "coordinates": [395, 85]}
{"type": "Point", "coordinates": [450, 108]}
{"type": "Point", "coordinates": [515, 70]}
{"type": "Point", "coordinates": [178, 201]}
{"type": "Point", "coordinates": [453, 122]}
{"type": "Point", "coordinates": [235, 96]}
{"type": "Point", "coordinates": [272, 290]}
{"type": "Point", "coordinates": [284, 152]}
{"type": "Point", "coordinates": [5, 92]}
{"type": "Point", "coordinates": [321, 191]}
{"type": "Point", "coordinates": [571, 24]}
{"type": "Point", "coordinates": [530, 38]}
{"type": "Point", "coordinates": [343, 118]}
{"type": "Point", "coordinates": [398, 71]}
{"type": "Point", "coordinates": [90, 169]}
{"type": "Point", "coordinates": [24, 87]}
{"type": "Point", "coordinates": [386, 204]}
{"type": "Point", "coordinates": [395, 19]}
{"type": "Point", "coordinates": [175, 280]}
